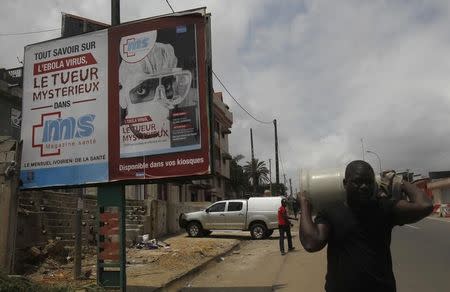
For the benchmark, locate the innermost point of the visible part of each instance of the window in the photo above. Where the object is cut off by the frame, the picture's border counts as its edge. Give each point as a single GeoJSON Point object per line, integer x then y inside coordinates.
{"type": "Point", "coordinates": [139, 192]}
{"type": "Point", "coordinates": [162, 192]}
{"type": "Point", "coordinates": [217, 150]}
{"type": "Point", "coordinates": [219, 182]}
{"type": "Point", "coordinates": [217, 127]}
{"type": "Point", "coordinates": [219, 207]}
{"type": "Point", "coordinates": [180, 193]}
{"type": "Point", "coordinates": [234, 206]}
{"type": "Point", "coordinates": [208, 196]}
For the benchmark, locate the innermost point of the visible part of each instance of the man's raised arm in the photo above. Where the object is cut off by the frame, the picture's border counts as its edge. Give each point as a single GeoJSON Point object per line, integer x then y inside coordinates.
{"type": "Point", "coordinates": [313, 236]}
{"type": "Point", "coordinates": [418, 207]}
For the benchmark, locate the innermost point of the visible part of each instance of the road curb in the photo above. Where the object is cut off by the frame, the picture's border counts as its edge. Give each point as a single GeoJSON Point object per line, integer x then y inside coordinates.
{"type": "Point", "coordinates": [176, 280]}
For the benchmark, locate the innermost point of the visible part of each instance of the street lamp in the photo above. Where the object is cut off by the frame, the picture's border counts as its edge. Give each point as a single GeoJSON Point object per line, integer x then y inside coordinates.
{"type": "Point", "coordinates": [379, 160]}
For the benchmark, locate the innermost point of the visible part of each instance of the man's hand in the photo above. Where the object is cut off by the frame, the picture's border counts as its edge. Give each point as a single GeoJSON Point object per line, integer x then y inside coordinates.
{"type": "Point", "coordinates": [302, 197]}
{"type": "Point", "coordinates": [418, 206]}
{"type": "Point", "coordinates": [385, 185]}
{"type": "Point", "coordinates": [390, 185]}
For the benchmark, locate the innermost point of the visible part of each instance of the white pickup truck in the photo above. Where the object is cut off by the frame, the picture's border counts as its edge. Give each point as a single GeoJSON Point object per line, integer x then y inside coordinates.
{"type": "Point", "coordinates": [257, 214]}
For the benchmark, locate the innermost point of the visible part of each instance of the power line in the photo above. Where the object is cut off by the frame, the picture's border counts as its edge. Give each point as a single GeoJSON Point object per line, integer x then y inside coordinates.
{"type": "Point", "coordinates": [167, 1]}
{"type": "Point", "coordinates": [226, 89]}
{"type": "Point", "coordinates": [29, 32]}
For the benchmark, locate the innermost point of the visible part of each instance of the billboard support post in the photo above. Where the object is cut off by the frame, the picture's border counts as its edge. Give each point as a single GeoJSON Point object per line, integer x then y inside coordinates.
{"type": "Point", "coordinates": [78, 237]}
{"type": "Point", "coordinates": [111, 237]}
{"type": "Point", "coordinates": [111, 253]}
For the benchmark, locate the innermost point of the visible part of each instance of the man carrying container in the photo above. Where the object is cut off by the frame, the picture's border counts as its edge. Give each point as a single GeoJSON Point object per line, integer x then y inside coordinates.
{"type": "Point", "coordinates": [358, 230]}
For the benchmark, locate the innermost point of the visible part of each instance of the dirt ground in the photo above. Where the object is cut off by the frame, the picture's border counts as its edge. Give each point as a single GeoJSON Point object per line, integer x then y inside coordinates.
{"type": "Point", "coordinates": [145, 267]}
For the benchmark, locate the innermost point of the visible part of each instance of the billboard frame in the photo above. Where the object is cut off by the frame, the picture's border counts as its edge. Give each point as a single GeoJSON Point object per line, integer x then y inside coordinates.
{"type": "Point", "coordinates": [204, 69]}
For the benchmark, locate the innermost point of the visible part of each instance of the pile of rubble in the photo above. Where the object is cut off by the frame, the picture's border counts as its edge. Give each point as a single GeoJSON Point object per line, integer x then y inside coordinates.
{"type": "Point", "coordinates": [149, 262]}
{"type": "Point", "coordinates": [54, 263]}
{"type": "Point", "coordinates": [145, 243]}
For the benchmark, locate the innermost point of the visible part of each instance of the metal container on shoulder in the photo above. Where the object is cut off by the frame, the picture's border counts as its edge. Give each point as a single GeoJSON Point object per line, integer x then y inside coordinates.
{"type": "Point", "coordinates": [324, 187]}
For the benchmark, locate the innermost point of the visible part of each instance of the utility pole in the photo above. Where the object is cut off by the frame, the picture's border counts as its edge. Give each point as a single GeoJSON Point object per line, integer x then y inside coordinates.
{"type": "Point", "coordinates": [270, 175]}
{"type": "Point", "coordinates": [378, 157]}
{"type": "Point", "coordinates": [253, 163]}
{"type": "Point", "coordinates": [115, 12]}
{"type": "Point", "coordinates": [362, 148]}
{"type": "Point", "coordinates": [277, 169]}
{"type": "Point", "coordinates": [285, 182]}
{"type": "Point", "coordinates": [290, 186]}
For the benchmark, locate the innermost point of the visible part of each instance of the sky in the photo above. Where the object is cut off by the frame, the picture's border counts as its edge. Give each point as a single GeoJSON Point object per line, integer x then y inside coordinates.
{"type": "Point", "coordinates": [333, 73]}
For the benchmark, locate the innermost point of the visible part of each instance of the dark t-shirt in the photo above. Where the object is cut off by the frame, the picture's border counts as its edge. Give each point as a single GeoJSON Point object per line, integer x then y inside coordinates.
{"type": "Point", "coordinates": [359, 256]}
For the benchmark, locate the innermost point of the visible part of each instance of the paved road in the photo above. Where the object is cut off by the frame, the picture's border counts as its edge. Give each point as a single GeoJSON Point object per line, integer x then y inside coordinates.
{"type": "Point", "coordinates": [421, 256]}
{"type": "Point", "coordinates": [259, 266]}
{"type": "Point", "coordinates": [421, 259]}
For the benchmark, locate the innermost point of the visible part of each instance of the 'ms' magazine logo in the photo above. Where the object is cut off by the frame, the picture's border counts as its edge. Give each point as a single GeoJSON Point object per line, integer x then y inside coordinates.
{"type": "Point", "coordinates": [134, 48]}
{"type": "Point", "coordinates": [54, 132]}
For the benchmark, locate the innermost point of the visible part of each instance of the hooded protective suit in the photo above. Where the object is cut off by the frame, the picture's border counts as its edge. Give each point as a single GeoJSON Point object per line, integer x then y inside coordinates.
{"type": "Point", "coordinates": [149, 89]}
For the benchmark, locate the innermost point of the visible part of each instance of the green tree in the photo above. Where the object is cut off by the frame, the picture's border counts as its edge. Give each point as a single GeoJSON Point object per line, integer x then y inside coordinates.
{"type": "Point", "coordinates": [279, 189]}
{"type": "Point", "coordinates": [238, 179]}
{"type": "Point", "coordinates": [256, 172]}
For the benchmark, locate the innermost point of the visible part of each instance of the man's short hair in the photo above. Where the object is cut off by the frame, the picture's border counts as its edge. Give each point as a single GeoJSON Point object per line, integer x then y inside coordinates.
{"type": "Point", "coordinates": [352, 166]}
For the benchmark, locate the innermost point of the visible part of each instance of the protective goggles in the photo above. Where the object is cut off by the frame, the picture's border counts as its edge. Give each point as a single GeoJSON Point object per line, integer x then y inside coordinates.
{"type": "Point", "coordinates": [171, 87]}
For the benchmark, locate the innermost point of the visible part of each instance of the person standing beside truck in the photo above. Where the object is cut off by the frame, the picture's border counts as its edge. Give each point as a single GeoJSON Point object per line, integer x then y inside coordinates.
{"type": "Point", "coordinates": [284, 226]}
{"type": "Point", "coordinates": [358, 230]}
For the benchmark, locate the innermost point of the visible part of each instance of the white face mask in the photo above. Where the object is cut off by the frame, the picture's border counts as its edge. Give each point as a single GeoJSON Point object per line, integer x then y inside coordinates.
{"type": "Point", "coordinates": [147, 123]}
{"type": "Point", "coordinates": [169, 88]}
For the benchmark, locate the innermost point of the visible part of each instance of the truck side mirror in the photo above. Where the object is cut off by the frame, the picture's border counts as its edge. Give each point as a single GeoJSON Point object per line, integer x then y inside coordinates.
{"type": "Point", "coordinates": [207, 210]}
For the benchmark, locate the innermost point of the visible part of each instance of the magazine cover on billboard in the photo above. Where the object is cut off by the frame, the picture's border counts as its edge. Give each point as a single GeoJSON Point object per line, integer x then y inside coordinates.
{"type": "Point", "coordinates": [159, 99]}
{"type": "Point", "coordinates": [65, 112]}
{"type": "Point", "coordinates": [158, 91]}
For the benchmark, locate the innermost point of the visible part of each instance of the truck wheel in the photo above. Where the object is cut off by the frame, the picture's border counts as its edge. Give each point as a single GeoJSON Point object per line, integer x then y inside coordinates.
{"type": "Point", "coordinates": [258, 231]}
{"type": "Point", "coordinates": [269, 233]}
{"type": "Point", "coordinates": [194, 229]}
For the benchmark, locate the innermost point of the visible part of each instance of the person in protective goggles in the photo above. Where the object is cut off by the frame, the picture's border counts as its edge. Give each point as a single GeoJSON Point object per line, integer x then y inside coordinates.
{"type": "Point", "coordinates": [149, 89]}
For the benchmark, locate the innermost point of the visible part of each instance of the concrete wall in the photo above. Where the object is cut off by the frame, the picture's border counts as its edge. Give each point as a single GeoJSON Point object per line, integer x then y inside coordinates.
{"type": "Point", "coordinates": [174, 211]}
{"type": "Point", "coordinates": [9, 99]}
{"type": "Point", "coordinates": [45, 215]}
{"type": "Point", "coordinates": [164, 216]}
{"type": "Point", "coordinates": [441, 196]}
{"type": "Point", "coordinates": [50, 215]}
{"type": "Point", "coordinates": [441, 190]}
{"type": "Point", "coordinates": [9, 180]}
{"type": "Point", "coordinates": [158, 215]}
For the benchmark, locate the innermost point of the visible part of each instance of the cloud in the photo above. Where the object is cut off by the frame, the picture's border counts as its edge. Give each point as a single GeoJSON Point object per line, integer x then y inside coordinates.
{"type": "Point", "coordinates": [330, 72]}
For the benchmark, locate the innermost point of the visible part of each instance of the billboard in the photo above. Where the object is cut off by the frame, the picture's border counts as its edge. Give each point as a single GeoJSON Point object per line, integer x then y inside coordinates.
{"type": "Point", "coordinates": [126, 103]}
{"type": "Point", "coordinates": [161, 100]}
{"type": "Point", "coordinates": [65, 109]}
